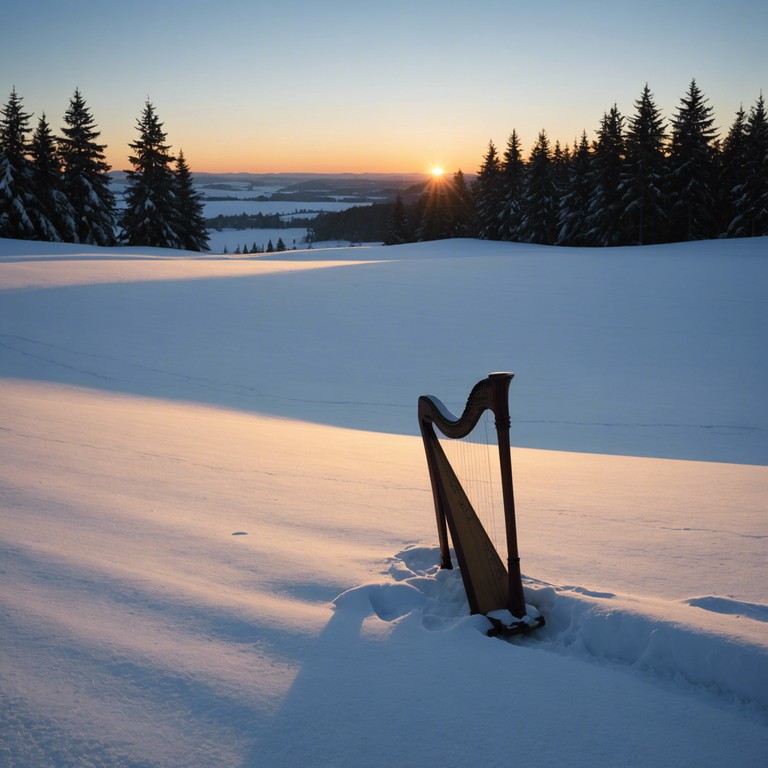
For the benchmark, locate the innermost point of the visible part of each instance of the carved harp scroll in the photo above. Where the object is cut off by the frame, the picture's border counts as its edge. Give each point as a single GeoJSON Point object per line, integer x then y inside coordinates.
{"type": "Point", "coordinates": [489, 585]}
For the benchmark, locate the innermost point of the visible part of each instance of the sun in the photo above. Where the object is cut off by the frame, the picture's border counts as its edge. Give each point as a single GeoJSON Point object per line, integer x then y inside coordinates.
{"type": "Point", "coordinates": [437, 171]}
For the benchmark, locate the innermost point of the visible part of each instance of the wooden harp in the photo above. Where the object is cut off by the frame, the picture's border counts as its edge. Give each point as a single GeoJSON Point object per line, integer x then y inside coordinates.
{"type": "Point", "coordinates": [490, 586]}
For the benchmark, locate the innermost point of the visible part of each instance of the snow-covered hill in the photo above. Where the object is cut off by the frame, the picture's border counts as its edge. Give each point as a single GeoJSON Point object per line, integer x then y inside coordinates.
{"type": "Point", "coordinates": [216, 532]}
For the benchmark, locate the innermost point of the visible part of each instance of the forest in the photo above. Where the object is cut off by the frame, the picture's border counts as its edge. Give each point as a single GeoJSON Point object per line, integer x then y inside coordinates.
{"type": "Point", "coordinates": [640, 181]}
{"type": "Point", "coordinates": [57, 188]}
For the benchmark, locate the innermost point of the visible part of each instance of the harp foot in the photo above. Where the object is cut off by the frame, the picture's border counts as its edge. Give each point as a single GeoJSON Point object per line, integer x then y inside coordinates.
{"type": "Point", "coordinates": [503, 627]}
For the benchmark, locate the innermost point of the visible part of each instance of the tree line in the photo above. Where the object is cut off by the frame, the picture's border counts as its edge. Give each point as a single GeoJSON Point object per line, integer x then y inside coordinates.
{"type": "Point", "coordinates": [57, 188]}
{"type": "Point", "coordinates": [639, 182]}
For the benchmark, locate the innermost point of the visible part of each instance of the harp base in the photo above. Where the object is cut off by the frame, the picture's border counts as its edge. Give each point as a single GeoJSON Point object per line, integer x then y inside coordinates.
{"type": "Point", "coordinates": [501, 626]}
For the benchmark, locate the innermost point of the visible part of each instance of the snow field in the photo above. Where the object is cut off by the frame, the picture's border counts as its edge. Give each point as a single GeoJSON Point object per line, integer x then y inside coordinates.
{"type": "Point", "coordinates": [203, 564]}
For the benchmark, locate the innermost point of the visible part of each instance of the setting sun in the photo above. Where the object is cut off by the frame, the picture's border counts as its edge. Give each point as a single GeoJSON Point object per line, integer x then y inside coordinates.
{"type": "Point", "coordinates": [437, 171]}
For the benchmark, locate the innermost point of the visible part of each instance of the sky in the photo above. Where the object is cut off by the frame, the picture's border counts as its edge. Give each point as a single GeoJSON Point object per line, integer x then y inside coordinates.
{"type": "Point", "coordinates": [356, 86]}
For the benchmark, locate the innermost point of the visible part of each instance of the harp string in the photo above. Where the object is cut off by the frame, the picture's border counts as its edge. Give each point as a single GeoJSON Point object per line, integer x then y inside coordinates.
{"type": "Point", "coordinates": [473, 459]}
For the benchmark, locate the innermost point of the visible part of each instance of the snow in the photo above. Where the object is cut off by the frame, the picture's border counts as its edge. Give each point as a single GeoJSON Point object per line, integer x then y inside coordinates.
{"type": "Point", "coordinates": [216, 530]}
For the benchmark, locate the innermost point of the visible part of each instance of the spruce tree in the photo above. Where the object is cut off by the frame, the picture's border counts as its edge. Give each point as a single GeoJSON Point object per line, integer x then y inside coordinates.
{"type": "Point", "coordinates": [18, 206]}
{"type": "Point", "coordinates": [539, 220]}
{"type": "Point", "coordinates": [488, 196]}
{"type": "Point", "coordinates": [151, 215]}
{"type": "Point", "coordinates": [435, 212]}
{"type": "Point", "coordinates": [751, 203]}
{"type": "Point", "coordinates": [606, 208]}
{"type": "Point", "coordinates": [561, 162]}
{"type": "Point", "coordinates": [575, 201]}
{"type": "Point", "coordinates": [397, 226]}
{"type": "Point", "coordinates": [56, 220]}
{"type": "Point", "coordinates": [732, 174]}
{"type": "Point", "coordinates": [692, 175]}
{"type": "Point", "coordinates": [460, 207]}
{"type": "Point", "coordinates": [191, 224]}
{"type": "Point", "coordinates": [643, 176]}
{"type": "Point", "coordinates": [85, 176]}
{"type": "Point", "coordinates": [513, 186]}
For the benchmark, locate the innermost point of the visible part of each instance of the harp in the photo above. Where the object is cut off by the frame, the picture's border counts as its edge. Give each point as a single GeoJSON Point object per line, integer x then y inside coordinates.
{"type": "Point", "coordinates": [491, 587]}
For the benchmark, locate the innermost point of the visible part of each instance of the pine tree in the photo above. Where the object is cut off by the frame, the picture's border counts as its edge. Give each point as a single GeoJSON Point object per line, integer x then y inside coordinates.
{"type": "Point", "coordinates": [575, 200]}
{"type": "Point", "coordinates": [18, 207]}
{"type": "Point", "coordinates": [692, 174]}
{"type": "Point", "coordinates": [191, 224]}
{"type": "Point", "coordinates": [488, 195]}
{"type": "Point", "coordinates": [733, 172]}
{"type": "Point", "coordinates": [513, 184]}
{"type": "Point", "coordinates": [151, 216]}
{"type": "Point", "coordinates": [751, 202]}
{"type": "Point", "coordinates": [539, 219]}
{"type": "Point", "coordinates": [398, 231]}
{"type": "Point", "coordinates": [85, 176]}
{"type": "Point", "coordinates": [56, 220]}
{"type": "Point", "coordinates": [460, 207]}
{"type": "Point", "coordinates": [644, 170]}
{"type": "Point", "coordinates": [434, 223]}
{"type": "Point", "coordinates": [561, 162]}
{"type": "Point", "coordinates": [606, 208]}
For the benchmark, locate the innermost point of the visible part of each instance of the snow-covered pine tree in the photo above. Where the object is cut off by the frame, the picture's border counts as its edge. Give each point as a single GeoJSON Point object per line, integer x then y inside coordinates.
{"type": "Point", "coordinates": [561, 163]}
{"type": "Point", "coordinates": [606, 209]}
{"type": "Point", "coordinates": [643, 195]}
{"type": "Point", "coordinates": [18, 207]}
{"type": "Point", "coordinates": [732, 173]}
{"type": "Point", "coordinates": [539, 220]}
{"type": "Point", "coordinates": [513, 186]}
{"type": "Point", "coordinates": [751, 202]}
{"type": "Point", "coordinates": [151, 215]}
{"type": "Point", "coordinates": [575, 199]}
{"type": "Point", "coordinates": [85, 176]}
{"type": "Point", "coordinates": [56, 217]}
{"type": "Point", "coordinates": [487, 192]}
{"type": "Point", "coordinates": [194, 233]}
{"type": "Point", "coordinates": [692, 165]}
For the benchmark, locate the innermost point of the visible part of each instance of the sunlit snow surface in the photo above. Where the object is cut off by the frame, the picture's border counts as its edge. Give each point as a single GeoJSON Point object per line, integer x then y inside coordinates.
{"type": "Point", "coordinates": [217, 541]}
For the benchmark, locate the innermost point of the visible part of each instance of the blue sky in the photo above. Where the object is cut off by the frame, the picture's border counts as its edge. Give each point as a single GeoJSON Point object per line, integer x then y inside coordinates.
{"type": "Point", "coordinates": [300, 85]}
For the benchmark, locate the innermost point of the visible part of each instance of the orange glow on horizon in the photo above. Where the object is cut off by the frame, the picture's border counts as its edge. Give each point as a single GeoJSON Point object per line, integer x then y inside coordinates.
{"type": "Point", "coordinates": [208, 155]}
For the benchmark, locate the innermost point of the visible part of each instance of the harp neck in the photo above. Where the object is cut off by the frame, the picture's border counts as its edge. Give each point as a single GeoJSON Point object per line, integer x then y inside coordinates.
{"type": "Point", "coordinates": [492, 393]}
